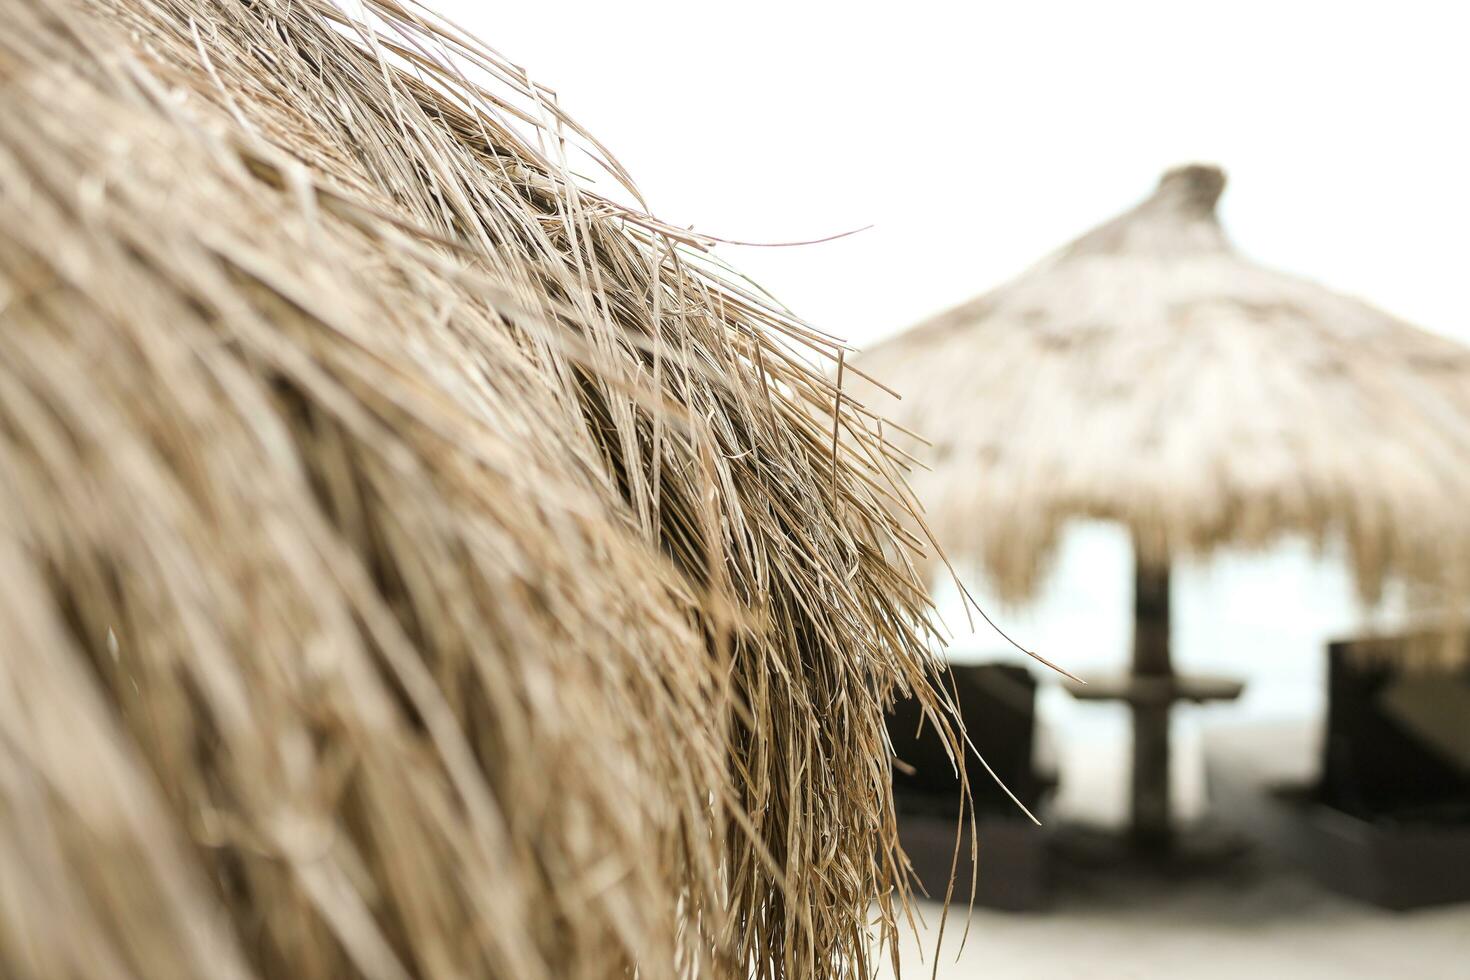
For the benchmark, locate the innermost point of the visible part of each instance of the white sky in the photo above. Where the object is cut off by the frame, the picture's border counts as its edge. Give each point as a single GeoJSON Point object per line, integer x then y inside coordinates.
{"type": "Point", "coordinates": [977, 137]}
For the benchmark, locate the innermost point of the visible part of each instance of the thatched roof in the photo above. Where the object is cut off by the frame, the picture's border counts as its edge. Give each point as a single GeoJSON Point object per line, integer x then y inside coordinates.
{"type": "Point", "coordinates": [414, 564]}
{"type": "Point", "coordinates": [1149, 374]}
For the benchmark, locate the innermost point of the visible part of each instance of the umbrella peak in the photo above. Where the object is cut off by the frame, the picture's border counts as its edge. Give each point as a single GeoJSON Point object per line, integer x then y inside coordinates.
{"type": "Point", "coordinates": [1178, 219]}
{"type": "Point", "coordinates": [1193, 187]}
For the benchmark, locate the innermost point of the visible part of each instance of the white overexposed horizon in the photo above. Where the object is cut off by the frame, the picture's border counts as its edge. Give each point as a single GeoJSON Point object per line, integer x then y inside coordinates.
{"type": "Point", "coordinates": [977, 138]}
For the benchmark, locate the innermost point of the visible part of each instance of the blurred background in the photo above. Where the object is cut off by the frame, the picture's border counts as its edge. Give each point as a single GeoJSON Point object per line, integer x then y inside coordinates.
{"type": "Point", "coordinates": [974, 139]}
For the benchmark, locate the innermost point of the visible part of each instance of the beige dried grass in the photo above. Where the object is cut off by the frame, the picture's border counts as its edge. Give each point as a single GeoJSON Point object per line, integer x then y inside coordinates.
{"type": "Point", "coordinates": [415, 564]}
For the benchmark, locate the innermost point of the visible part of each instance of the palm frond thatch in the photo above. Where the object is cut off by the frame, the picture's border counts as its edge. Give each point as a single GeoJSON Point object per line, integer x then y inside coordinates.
{"type": "Point", "coordinates": [415, 564]}
{"type": "Point", "coordinates": [1149, 374]}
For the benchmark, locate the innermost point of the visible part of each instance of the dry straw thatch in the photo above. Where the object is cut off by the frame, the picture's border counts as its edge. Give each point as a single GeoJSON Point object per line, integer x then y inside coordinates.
{"type": "Point", "coordinates": [1148, 374]}
{"type": "Point", "coordinates": [414, 564]}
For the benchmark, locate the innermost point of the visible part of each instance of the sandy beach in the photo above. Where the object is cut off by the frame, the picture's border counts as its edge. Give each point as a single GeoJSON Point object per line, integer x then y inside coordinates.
{"type": "Point", "coordinates": [1261, 920]}
{"type": "Point", "coordinates": [1255, 918]}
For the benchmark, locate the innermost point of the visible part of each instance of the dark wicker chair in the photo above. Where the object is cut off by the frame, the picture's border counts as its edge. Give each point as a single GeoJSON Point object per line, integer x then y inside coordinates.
{"type": "Point", "coordinates": [1381, 812]}
{"type": "Point", "coordinates": [997, 703]}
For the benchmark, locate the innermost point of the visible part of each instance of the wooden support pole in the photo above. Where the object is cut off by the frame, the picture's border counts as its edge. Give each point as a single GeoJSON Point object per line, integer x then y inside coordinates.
{"type": "Point", "coordinates": [1152, 827]}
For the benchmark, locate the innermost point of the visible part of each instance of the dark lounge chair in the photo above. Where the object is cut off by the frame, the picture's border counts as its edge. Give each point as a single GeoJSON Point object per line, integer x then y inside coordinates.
{"type": "Point", "coordinates": [998, 705]}
{"type": "Point", "coordinates": [1385, 817]}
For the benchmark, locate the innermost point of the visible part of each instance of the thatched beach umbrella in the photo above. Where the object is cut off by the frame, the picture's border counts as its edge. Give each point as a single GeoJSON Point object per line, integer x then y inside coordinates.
{"type": "Point", "coordinates": [1150, 375]}
{"type": "Point", "coordinates": [412, 564]}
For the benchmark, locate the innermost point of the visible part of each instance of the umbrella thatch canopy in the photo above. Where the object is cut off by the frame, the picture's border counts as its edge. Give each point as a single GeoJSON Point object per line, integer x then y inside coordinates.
{"type": "Point", "coordinates": [414, 564]}
{"type": "Point", "coordinates": [1148, 374]}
